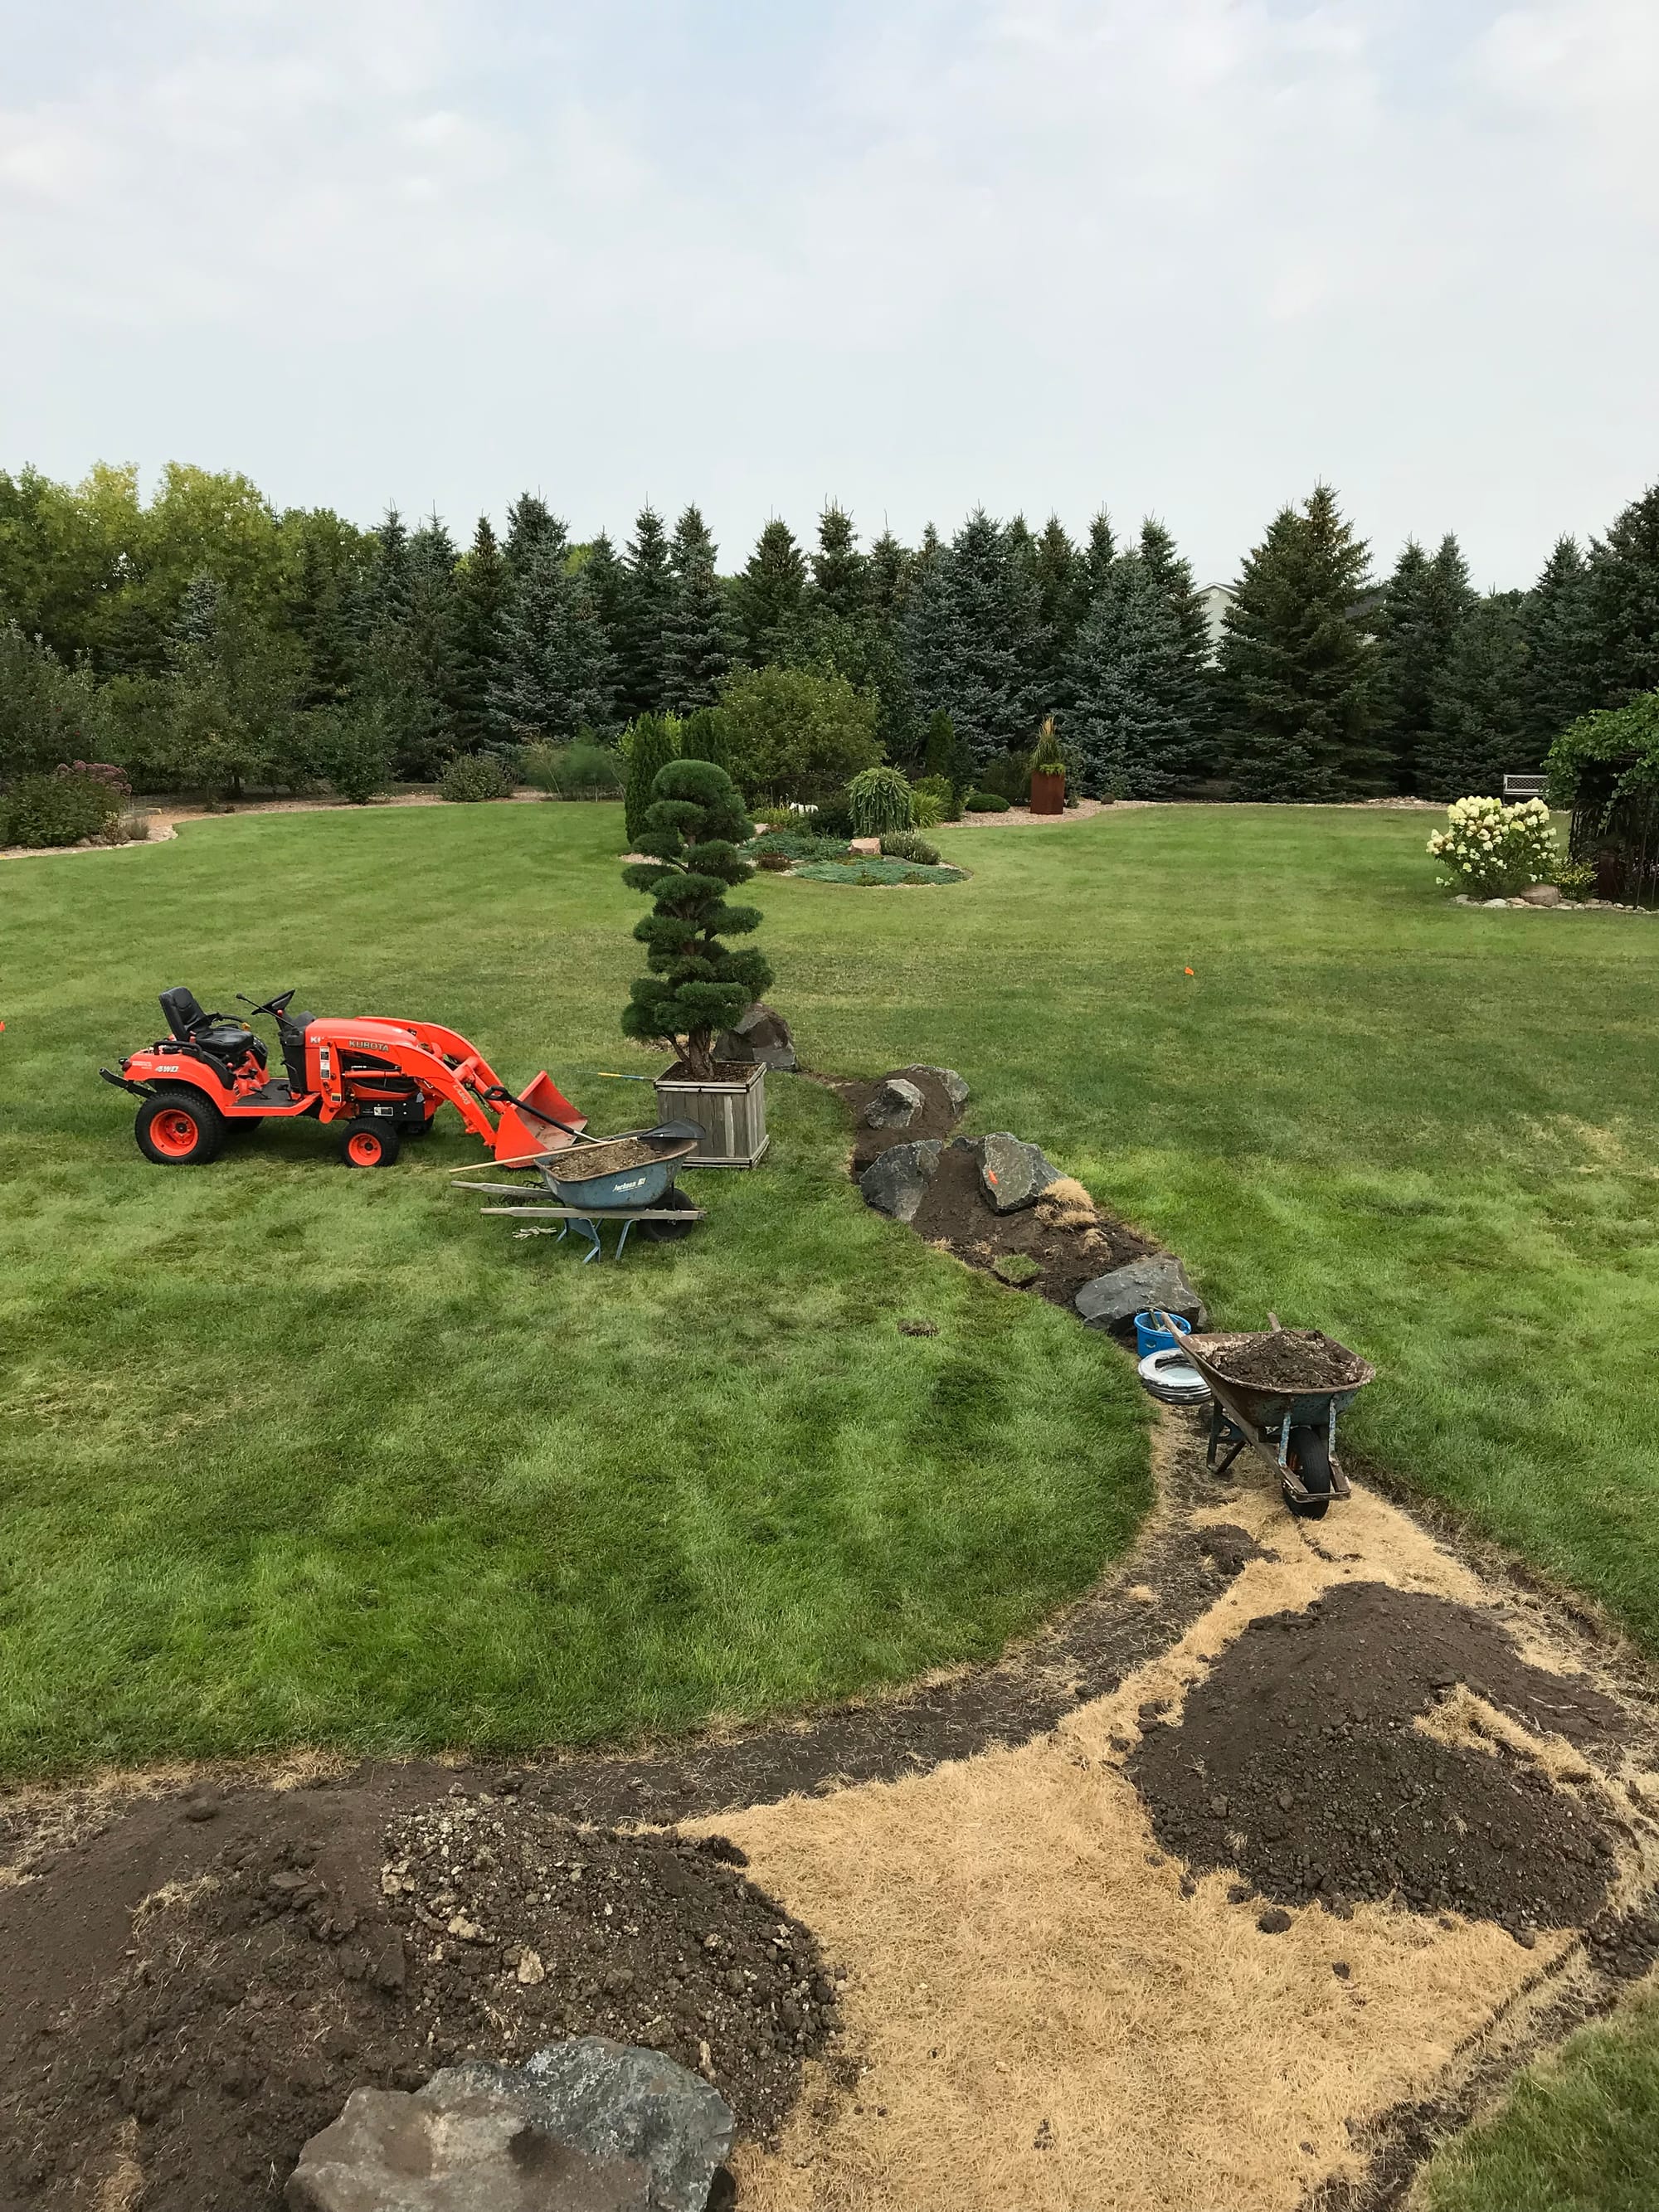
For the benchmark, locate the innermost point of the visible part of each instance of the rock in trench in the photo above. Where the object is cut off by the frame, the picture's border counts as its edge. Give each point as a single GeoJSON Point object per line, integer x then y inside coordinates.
{"type": "Point", "coordinates": [895, 1105]}
{"type": "Point", "coordinates": [760, 1033]}
{"type": "Point", "coordinates": [444, 2150]}
{"type": "Point", "coordinates": [897, 1183]}
{"type": "Point", "coordinates": [1112, 1300]}
{"type": "Point", "coordinates": [949, 1081]}
{"type": "Point", "coordinates": [584, 2126]}
{"type": "Point", "coordinates": [1012, 1173]}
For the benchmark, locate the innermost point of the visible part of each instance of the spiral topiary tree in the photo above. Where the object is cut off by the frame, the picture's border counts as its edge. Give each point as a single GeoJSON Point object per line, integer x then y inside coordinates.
{"type": "Point", "coordinates": [698, 986]}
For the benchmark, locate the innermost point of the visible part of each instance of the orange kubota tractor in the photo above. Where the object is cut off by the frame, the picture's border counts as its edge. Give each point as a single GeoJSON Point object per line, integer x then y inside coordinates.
{"type": "Point", "coordinates": [374, 1081]}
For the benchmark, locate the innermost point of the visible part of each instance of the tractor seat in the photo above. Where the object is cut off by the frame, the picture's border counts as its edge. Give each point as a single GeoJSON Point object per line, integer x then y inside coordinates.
{"type": "Point", "coordinates": [226, 1039]}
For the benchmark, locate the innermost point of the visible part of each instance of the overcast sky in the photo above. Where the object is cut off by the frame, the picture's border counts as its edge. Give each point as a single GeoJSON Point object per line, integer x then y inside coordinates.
{"type": "Point", "coordinates": [1184, 256]}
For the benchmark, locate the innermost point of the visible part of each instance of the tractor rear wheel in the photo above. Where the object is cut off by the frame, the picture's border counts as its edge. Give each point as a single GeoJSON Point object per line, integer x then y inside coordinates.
{"type": "Point", "coordinates": [368, 1142]}
{"type": "Point", "coordinates": [179, 1129]}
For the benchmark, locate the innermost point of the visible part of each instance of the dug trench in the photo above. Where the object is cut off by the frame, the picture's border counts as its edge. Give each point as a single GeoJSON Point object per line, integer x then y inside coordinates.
{"type": "Point", "coordinates": [1045, 1933]}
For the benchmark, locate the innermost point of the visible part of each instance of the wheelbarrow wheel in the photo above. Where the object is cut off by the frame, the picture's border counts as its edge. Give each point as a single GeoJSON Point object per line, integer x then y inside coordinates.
{"type": "Point", "coordinates": [669, 1232]}
{"type": "Point", "coordinates": [1310, 1457]}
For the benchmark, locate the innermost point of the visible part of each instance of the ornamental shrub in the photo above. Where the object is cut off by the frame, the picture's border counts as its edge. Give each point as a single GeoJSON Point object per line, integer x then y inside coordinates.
{"type": "Point", "coordinates": [1624, 738]}
{"type": "Point", "coordinates": [1008, 776]}
{"type": "Point", "coordinates": [1493, 850]}
{"type": "Point", "coordinates": [104, 772]}
{"type": "Point", "coordinates": [986, 802]}
{"type": "Point", "coordinates": [352, 747]}
{"type": "Point", "coordinates": [471, 777]}
{"type": "Point", "coordinates": [58, 809]}
{"type": "Point", "coordinates": [583, 769]}
{"type": "Point", "coordinates": [798, 845]}
{"type": "Point", "coordinates": [905, 845]}
{"type": "Point", "coordinates": [880, 799]}
{"type": "Point", "coordinates": [650, 744]}
{"type": "Point", "coordinates": [698, 986]}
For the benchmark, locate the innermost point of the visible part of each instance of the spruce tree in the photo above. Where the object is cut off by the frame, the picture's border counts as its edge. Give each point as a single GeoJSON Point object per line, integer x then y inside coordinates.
{"type": "Point", "coordinates": [647, 593]}
{"type": "Point", "coordinates": [1558, 625]}
{"type": "Point", "coordinates": [1098, 555]}
{"type": "Point", "coordinates": [973, 638]}
{"type": "Point", "coordinates": [323, 614]}
{"type": "Point", "coordinates": [841, 579]}
{"type": "Point", "coordinates": [555, 675]}
{"type": "Point", "coordinates": [483, 593]}
{"type": "Point", "coordinates": [529, 521]}
{"type": "Point", "coordinates": [697, 645]}
{"type": "Point", "coordinates": [1296, 666]}
{"type": "Point", "coordinates": [1132, 729]}
{"type": "Point", "coordinates": [770, 599]}
{"type": "Point", "coordinates": [386, 591]}
{"type": "Point", "coordinates": [889, 578]}
{"type": "Point", "coordinates": [867, 655]}
{"type": "Point", "coordinates": [433, 641]}
{"type": "Point", "coordinates": [607, 584]}
{"type": "Point", "coordinates": [1425, 604]}
{"type": "Point", "coordinates": [1063, 599]}
{"type": "Point", "coordinates": [1624, 603]}
{"type": "Point", "coordinates": [1478, 730]}
{"type": "Point", "coordinates": [1194, 699]}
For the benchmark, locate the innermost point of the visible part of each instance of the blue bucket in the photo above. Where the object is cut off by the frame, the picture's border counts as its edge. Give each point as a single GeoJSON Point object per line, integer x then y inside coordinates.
{"type": "Point", "coordinates": [1149, 1337]}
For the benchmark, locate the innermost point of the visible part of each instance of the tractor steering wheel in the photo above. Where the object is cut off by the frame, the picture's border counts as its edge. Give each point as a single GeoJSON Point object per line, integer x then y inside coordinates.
{"type": "Point", "coordinates": [278, 1005]}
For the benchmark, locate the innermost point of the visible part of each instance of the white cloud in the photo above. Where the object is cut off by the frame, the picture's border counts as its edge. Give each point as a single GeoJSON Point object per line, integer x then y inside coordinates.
{"type": "Point", "coordinates": [918, 251]}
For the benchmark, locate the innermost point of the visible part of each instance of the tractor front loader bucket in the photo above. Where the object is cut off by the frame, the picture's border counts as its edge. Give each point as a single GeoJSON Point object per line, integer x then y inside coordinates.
{"type": "Point", "coordinates": [540, 1119]}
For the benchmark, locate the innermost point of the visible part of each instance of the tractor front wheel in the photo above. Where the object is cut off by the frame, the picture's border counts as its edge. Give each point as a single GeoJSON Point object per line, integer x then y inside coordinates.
{"type": "Point", "coordinates": [368, 1143]}
{"type": "Point", "coordinates": [179, 1129]}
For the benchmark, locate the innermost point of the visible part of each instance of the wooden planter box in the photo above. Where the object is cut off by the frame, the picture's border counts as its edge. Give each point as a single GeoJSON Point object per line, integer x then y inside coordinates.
{"type": "Point", "coordinates": [1047, 791]}
{"type": "Point", "coordinates": [730, 1111]}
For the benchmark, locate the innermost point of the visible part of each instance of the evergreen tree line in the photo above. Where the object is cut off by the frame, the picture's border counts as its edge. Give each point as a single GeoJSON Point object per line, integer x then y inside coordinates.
{"type": "Point", "coordinates": [206, 639]}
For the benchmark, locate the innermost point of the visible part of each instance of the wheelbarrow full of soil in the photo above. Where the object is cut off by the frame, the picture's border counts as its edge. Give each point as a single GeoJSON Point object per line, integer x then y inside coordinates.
{"type": "Point", "coordinates": [1278, 1391]}
{"type": "Point", "coordinates": [628, 1179]}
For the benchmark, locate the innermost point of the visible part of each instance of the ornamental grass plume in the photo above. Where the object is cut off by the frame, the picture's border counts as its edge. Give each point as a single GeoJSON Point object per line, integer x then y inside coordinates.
{"type": "Point", "coordinates": [1493, 850]}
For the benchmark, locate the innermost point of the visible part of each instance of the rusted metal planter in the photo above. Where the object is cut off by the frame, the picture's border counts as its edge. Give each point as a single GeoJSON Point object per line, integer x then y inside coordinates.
{"type": "Point", "coordinates": [1047, 791]}
{"type": "Point", "coordinates": [730, 1109]}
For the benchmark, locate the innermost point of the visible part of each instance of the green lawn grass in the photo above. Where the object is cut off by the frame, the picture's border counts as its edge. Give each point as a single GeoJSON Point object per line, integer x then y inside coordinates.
{"type": "Point", "coordinates": [293, 1452]}
{"type": "Point", "coordinates": [1579, 2134]}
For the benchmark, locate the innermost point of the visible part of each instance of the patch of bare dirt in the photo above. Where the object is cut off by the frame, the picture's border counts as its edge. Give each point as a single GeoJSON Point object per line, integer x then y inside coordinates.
{"type": "Point", "coordinates": [1296, 1763]}
{"type": "Point", "coordinates": [204, 2024]}
{"type": "Point", "coordinates": [1057, 1245]}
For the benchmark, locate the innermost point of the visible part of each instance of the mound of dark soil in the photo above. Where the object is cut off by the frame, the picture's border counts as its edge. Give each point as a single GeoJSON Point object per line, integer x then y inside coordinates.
{"type": "Point", "coordinates": [1288, 1359]}
{"type": "Point", "coordinates": [1066, 1238]}
{"type": "Point", "coordinates": [1072, 1244]}
{"type": "Point", "coordinates": [1297, 1762]}
{"type": "Point", "coordinates": [937, 1118]}
{"type": "Point", "coordinates": [303, 1947]}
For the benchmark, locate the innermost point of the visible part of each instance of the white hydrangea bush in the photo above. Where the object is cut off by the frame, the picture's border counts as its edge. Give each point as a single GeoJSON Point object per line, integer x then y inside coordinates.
{"type": "Point", "coordinates": [1493, 850]}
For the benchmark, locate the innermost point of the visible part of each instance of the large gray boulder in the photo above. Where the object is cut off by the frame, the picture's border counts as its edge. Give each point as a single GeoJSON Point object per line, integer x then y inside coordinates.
{"type": "Point", "coordinates": [1112, 1301]}
{"type": "Point", "coordinates": [897, 1182]}
{"type": "Point", "coordinates": [949, 1082]}
{"type": "Point", "coordinates": [895, 1105]}
{"type": "Point", "coordinates": [1012, 1173]}
{"type": "Point", "coordinates": [760, 1033]}
{"type": "Point", "coordinates": [444, 2150]}
{"type": "Point", "coordinates": [586, 2126]}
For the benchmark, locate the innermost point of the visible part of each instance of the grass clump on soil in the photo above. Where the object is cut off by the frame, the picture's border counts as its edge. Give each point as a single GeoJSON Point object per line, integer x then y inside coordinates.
{"type": "Point", "coordinates": [1579, 2133]}
{"type": "Point", "coordinates": [294, 1452]}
